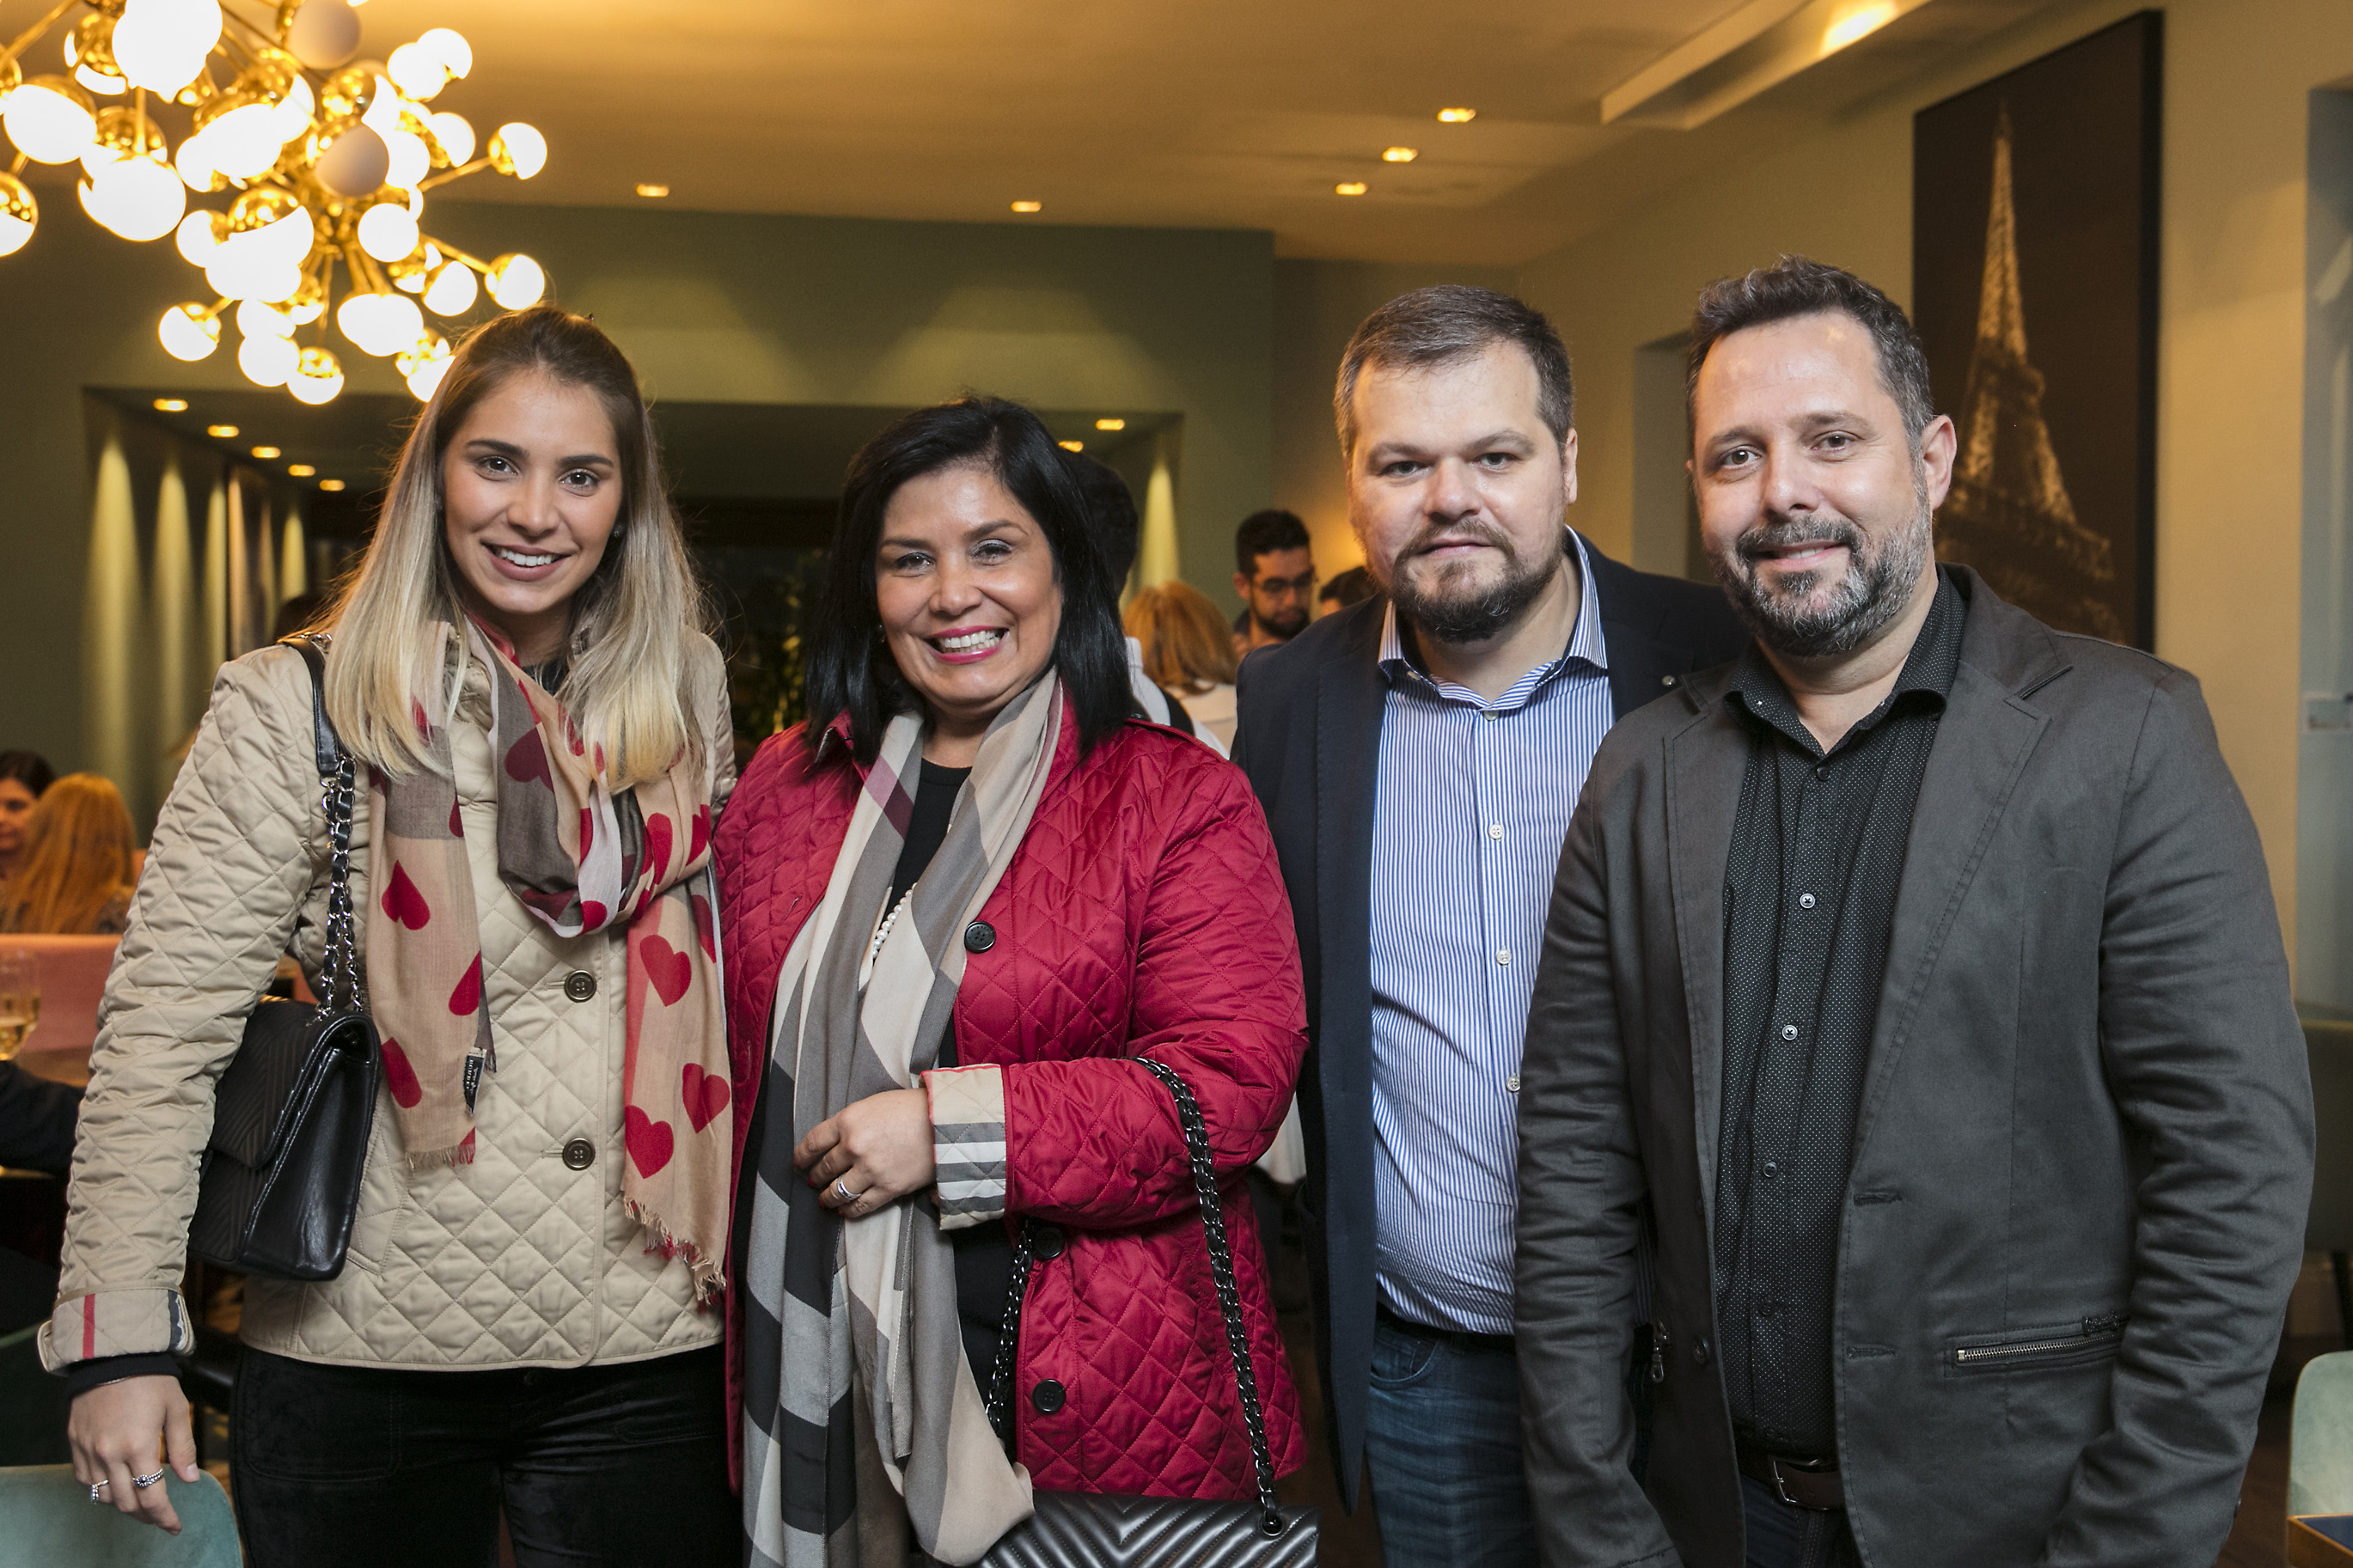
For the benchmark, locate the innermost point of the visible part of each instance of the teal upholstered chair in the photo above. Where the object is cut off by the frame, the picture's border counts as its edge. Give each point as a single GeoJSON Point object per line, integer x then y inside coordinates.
{"type": "Point", "coordinates": [50, 1521]}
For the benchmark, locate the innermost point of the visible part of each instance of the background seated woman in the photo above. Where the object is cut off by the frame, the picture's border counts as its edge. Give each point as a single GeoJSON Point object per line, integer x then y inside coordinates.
{"type": "Point", "coordinates": [75, 874]}
{"type": "Point", "coordinates": [1189, 651]}
{"type": "Point", "coordinates": [957, 906]}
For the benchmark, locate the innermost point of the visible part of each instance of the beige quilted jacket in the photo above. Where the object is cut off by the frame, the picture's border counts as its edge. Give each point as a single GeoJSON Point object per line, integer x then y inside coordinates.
{"type": "Point", "coordinates": [516, 1259]}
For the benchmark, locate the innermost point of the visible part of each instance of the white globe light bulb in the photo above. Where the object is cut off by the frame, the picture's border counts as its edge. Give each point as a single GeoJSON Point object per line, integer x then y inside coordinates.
{"type": "Point", "coordinates": [516, 281]}
{"type": "Point", "coordinates": [288, 239]}
{"type": "Point", "coordinates": [139, 198]}
{"type": "Point", "coordinates": [448, 46]}
{"type": "Point", "coordinates": [452, 291]}
{"type": "Point", "coordinates": [519, 149]}
{"type": "Point", "coordinates": [189, 331]}
{"type": "Point", "coordinates": [269, 359]}
{"type": "Point", "coordinates": [426, 379]}
{"type": "Point", "coordinates": [259, 318]}
{"type": "Point", "coordinates": [325, 34]}
{"type": "Point", "coordinates": [355, 318]}
{"type": "Point", "coordinates": [418, 72]}
{"type": "Point", "coordinates": [200, 237]}
{"type": "Point", "coordinates": [317, 377]}
{"type": "Point", "coordinates": [244, 142]}
{"type": "Point", "coordinates": [19, 214]}
{"type": "Point", "coordinates": [356, 163]}
{"type": "Point", "coordinates": [49, 120]}
{"type": "Point", "coordinates": [195, 162]}
{"type": "Point", "coordinates": [456, 134]}
{"type": "Point", "coordinates": [398, 322]}
{"type": "Point", "coordinates": [407, 159]}
{"type": "Point", "coordinates": [161, 45]}
{"type": "Point", "coordinates": [386, 231]}
{"type": "Point", "coordinates": [294, 113]}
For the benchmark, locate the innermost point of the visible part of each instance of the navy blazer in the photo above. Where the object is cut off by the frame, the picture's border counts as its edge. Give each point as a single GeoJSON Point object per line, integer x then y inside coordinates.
{"type": "Point", "coordinates": [1309, 735]}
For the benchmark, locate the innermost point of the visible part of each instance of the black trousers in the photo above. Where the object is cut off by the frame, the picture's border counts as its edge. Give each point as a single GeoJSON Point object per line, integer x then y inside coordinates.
{"type": "Point", "coordinates": [614, 1467]}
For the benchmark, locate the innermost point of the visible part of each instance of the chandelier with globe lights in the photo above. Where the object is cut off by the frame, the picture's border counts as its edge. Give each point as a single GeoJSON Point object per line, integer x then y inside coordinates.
{"type": "Point", "coordinates": [324, 161]}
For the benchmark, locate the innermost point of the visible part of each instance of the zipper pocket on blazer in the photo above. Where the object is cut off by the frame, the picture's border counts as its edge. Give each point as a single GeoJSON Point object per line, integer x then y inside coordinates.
{"type": "Point", "coordinates": [2088, 1339]}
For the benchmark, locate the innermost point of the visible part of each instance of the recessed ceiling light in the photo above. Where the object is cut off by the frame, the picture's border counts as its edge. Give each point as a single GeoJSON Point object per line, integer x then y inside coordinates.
{"type": "Point", "coordinates": [301, 471]}
{"type": "Point", "coordinates": [330, 484]}
{"type": "Point", "coordinates": [1399, 155]}
{"type": "Point", "coordinates": [1072, 445]}
{"type": "Point", "coordinates": [1110, 423]}
{"type": "Point", "coordinates": [265, 453]}
{"type": "Point", "coordinates": [1458, 116]}
{"type": "Point", "coordinates": [221, 432]}
{"type": "Point", "coordinates": [1349, 188]}
{"type": "Point", "coordinates": [1029, 206]}
{"type": "Point", "coordinates": [171, 406]}
{"type": "Point", "coordinates": [645, 190]}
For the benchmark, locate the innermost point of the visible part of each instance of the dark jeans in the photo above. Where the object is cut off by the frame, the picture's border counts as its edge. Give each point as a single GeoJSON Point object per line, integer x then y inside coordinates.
{"type": "Point", "coordinates": [1442, 1444]}
{"type": "Point", "coordinates": [1780, 1536]}
{"type": "Point", "coordinates": [610, 1466]}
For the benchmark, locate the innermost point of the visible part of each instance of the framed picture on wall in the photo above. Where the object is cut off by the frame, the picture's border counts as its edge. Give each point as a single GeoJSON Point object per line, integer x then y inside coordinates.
{"type": "Point", "coordinates": [2034, 253]}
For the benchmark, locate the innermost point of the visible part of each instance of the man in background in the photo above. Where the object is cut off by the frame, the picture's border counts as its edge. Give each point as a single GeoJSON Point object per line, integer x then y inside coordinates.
{"type": "Point", "coordinates": [1353, 586]}
{"type": "Point", "coordinates": [1274, 572]}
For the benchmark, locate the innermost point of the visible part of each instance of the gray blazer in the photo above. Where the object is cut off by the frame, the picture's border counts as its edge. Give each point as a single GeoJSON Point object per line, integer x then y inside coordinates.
{"type": "Point", "coordinates": [2083, 1157]}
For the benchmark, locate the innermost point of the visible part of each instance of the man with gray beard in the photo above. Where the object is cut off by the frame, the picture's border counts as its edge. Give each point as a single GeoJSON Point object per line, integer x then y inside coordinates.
{"type": "Point", "coordinates": [1913, 996]}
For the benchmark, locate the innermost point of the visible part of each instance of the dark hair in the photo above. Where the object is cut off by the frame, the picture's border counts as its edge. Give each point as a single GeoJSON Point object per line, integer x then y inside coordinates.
{"type": "Point", "coordinates": [30, 769]}
{"type": "Point", "coordinates": [1451, 321]}
{"type": "Point", "coordinates": [1353, 586]}
{"type": "Point", "coordinates": [1799, 285]}
{"type": "Point", "coordinates": [850, 670]}
{"type": "Point", "coordinates": [1112, 509]}
{"type": "Point", "coordinates": [1263, 534]}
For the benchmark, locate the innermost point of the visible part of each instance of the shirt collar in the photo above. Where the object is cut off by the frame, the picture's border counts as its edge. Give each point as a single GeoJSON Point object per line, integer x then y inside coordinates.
{"type": "Point", "coordinates": [1585, 641]}
{"type": "Point", "coordinates": [1758, 692]}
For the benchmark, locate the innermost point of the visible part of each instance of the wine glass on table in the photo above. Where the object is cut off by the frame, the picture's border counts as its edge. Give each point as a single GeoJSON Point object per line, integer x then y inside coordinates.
{"type": "Point", "coordinates": [20, 999]}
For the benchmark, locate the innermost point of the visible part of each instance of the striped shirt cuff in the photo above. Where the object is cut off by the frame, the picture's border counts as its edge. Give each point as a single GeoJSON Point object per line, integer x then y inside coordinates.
{"type": "Point", "coordinates": [116, 1323]}
{"type": "Point", "coordinates": [967, 1143]}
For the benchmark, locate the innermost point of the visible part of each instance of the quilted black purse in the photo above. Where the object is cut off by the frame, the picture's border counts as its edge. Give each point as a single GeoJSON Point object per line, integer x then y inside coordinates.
{"type": "Point", "coordinates": [291, 1116]}
{"type": "Point", "coordinates": [1092, 1530]}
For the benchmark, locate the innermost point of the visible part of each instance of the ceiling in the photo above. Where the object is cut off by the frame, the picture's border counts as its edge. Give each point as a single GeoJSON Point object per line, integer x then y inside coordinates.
{"type": "Point", "coordinates": [1214, 113]}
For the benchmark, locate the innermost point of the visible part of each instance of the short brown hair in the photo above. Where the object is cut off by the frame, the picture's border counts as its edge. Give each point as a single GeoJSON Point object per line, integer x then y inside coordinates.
{"type": "Point", "coordinates": [1450, 322]}
{"type": "Point", "coordinates": [1799, 286]}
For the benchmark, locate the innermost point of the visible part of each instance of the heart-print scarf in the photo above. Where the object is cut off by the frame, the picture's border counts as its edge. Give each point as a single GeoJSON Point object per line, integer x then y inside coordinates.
{"type": "Point", "coordinates": [581, 859]}
{"type": "Point", "coordinates": [863, 1422]}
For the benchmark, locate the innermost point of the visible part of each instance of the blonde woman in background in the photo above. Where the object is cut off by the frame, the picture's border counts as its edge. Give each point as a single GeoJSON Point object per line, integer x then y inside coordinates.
{"type": "Point", "coordinates": [1189, 651]}
{"type": "Point", "coordinates": [521, 1325]}
{"type": "Point", "coordinates": [75, 874]}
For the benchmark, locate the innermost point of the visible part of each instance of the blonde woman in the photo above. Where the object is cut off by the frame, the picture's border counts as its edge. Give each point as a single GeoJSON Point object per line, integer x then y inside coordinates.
{"type": "Point", "coordinates": [1188, 652]}
{"type": "Point", "coordinates": [75, 874]}
{"type": "Point", "coordinates": [518, 1324]}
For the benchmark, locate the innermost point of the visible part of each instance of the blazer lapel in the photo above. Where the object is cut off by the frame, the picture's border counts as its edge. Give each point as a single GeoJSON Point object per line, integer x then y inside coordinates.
{"type": "Point", "coordinates": [1704, 764]}
{"type": "Point", "coordinates": [1349, 701]}
{"type": "Point", "coordinates": [1982, 745]}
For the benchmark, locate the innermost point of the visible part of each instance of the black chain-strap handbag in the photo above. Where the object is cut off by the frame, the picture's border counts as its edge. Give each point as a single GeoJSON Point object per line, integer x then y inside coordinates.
{"type": "Point", "coordinates": [291, 1116]}
{"type": "Point", "coordinates": [1093, 1530]}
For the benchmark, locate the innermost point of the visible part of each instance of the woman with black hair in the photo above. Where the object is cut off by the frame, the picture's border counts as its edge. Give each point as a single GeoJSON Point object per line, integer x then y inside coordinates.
{"type": "Point", "coordinates": [25, 777]}
{"type": "Point", "coordinates": [959, 903]}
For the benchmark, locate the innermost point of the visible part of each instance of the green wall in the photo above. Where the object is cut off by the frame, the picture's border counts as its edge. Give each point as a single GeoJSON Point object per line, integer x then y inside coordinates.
{"type": "Point", "coordinates": [712, 307]}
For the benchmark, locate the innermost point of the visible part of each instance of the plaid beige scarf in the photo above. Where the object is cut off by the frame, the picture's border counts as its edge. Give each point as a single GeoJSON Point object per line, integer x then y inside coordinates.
{"type": "Point", "coordinates": [581, 859]}
{"type": "Point", "coordinates": [863, 1422]}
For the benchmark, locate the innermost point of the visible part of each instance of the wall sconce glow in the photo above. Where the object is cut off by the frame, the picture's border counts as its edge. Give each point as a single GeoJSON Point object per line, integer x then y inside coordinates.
{"type": "Point", "coordinates": [221, 432]}
{"type": "Point", "coordinates": [1456, 116]}
{"type": "Point", "coordinates": [1029, 206]}
{"type": "Point", "coordinates": [1399, 155]}
{"type": "Point", "coordinates": [171, 406]}
{"type": "Point", "coordinates": [265, 453]}
{"type": "Point", "coordinates": [1857, 24]}
{"type": "Point", "coordinates": [655, 192]}
{"type": "Point", "coordinates": [1349, 188]}
{"type": "Point", "coordinates": [330, 485]}
{"type": "Point", "coordinates": [300, 470]}
{"type": "Point", "coordinates": [1071, 445]}
{"type": "Point", "coordinates": [1110, 423]}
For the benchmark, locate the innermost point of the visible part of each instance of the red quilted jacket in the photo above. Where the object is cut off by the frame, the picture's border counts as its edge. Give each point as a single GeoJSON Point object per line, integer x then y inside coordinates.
{"type": "Point", "coordinates": [1143, 914]}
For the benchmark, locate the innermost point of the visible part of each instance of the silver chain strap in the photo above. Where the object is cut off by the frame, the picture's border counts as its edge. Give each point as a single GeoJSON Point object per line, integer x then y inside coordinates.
{"type": "Point", "coordinates": [341, 989]}
{"type": "Point", "coordinates": [1229, 1301]}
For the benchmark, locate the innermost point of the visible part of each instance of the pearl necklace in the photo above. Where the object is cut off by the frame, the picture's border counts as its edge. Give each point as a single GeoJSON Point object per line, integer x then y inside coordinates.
{"type": "Point", "coordinates": [883, 931]}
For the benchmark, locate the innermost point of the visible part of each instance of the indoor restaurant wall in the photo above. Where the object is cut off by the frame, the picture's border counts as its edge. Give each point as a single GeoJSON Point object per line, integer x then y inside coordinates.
{"type": "Point", "coordinates": [2237, 77]}
{"type": "Point", "coordinates": [712, 308]}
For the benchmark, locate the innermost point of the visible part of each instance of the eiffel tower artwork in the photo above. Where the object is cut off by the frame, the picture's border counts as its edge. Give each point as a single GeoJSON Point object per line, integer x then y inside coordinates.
{"type": "Point", "coordinates": [2008, 514]}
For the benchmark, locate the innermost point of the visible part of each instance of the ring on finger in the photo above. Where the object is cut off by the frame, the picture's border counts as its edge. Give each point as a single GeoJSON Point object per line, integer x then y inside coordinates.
{"type": "Point", "coordinates": [842, 1192]}
{"type": "Point", "coordinates": [143, 1482]}
{"type": "Point", "coordinates": [96, 1488]}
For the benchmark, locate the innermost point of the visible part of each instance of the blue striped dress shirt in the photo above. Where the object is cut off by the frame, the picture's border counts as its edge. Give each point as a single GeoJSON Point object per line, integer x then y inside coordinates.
{"type": "Point", "coordinates": [1472, 803]}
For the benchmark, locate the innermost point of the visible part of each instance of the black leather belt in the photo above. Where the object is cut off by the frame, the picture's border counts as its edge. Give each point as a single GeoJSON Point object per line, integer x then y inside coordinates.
{"type": "Point", "coordinates": [1460, 1339]}
{"type": "Point", "coordinates": [1801, 1483]}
